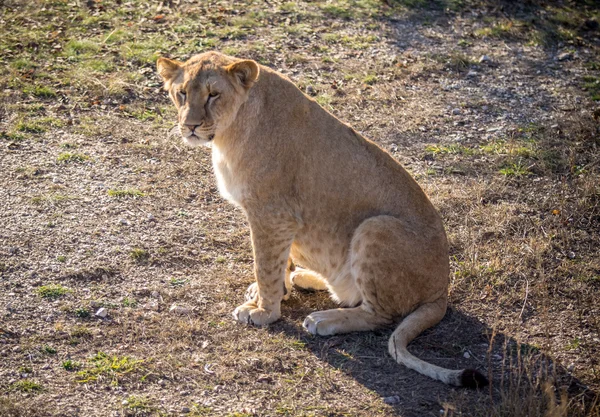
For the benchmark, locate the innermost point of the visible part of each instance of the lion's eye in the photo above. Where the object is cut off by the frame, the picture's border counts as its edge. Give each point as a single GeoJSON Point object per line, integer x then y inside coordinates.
{"type": "Point", "coordinates": [213, 94]}
{"type": "Point", "coordinates": [182, 94]}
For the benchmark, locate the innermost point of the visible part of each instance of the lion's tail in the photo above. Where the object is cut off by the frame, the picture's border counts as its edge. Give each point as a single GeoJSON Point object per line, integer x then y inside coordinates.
{"type": "Point", "coordinates": [416, 322]}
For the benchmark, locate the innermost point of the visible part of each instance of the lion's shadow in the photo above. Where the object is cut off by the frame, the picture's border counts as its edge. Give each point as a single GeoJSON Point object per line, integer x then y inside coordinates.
{"type": "Point", "coordinates": [457, 342]}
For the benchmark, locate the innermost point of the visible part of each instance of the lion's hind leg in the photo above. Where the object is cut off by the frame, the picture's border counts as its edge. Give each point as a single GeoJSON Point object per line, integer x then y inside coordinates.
{"type": "Point", "coordinates": [343, 320]}
{"type": "Point", "coordinates": [308, 280]}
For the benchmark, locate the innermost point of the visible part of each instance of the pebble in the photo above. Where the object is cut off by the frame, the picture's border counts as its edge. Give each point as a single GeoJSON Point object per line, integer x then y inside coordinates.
{"type": "Point", "coordinates": [155, 294]}
{"type": "Point", "coordinates": [466, 355]}
{"type": "Point", "coordinates": [125, 402]}
{"type": "Point", "coordinates": [394, 399]}
{"type": "Point", "coordinates": [310, 90]}
{"type": "Point", "coordinates": [471, 73]}
{"type": "Point", "coordinates": [484, 58]}
{"type": "Point", "coordinates": [186, 410]}
{"type": "Point", "coordinates": [102, 313]}
{"type": "Point", "coordinates": [565, 56]}
{"type": "Point", "coordinates": [161, 382]}
{"type": "Point", "coordinates": [152, 306]}
{"type": "Point", "coordinates": [456, 111]}
{"type": "Point", "coordinates": [571, 255]}
{"type": "Point", "coordinates": [571, 367]}
{"type": "Point", "coordinates": [151, 218]}
{"type": "Point", "coordinates": [124, 222]}
{"type": "Point", "coordinates": [179, 309]}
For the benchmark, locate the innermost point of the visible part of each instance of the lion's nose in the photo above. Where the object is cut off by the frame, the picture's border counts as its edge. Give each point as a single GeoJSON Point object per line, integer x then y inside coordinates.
{"type": "Point", "coordinates": [192, 127]}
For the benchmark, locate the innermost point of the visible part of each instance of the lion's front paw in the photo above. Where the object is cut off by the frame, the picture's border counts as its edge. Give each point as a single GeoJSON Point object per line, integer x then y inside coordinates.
{"type": "Point", "coordinates": [252, 293]}
{"type": "Point", "coordinates": [249, 313]}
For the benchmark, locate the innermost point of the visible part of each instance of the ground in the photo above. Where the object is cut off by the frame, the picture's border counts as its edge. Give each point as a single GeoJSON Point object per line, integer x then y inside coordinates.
{"type": "Point", "coordinates": [492, 106]}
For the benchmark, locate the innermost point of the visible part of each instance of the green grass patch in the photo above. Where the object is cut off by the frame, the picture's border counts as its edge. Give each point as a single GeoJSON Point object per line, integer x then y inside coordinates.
{"type": "Point", "coordinates": [52, 291]}
{"type": "Point", "coordinates": [48, 349]}
{"type": "Point", "coordinates": [139, 255]}
{"type": "Point", "coordinates": [452, 149]}
{"type": "Point", "coordinates": [72, 157]}
{"type": "Point", "coordinates": [70, 365]}
{"type": "Point", "coordinates": [125, 193]}
{"type": "Point", "coordinates": [515, 169]}
{"type": "Point", "coordinates": [512, 148]}
{"type": "Point", "coordinates": [40, 90]}
{"type": "Point", "coordinates": [99, 65]}
{"type": "Point", "coordinates": [111, 368]}
{"type": "Point", "coordinates": [82, 313]}
{"type": "Point", "coordinates": [139, 405]}
{"type": "Point", "coordinates": [27, 385]}
{"type": "Point", "coordinates": [573, 344]}
{"type": "Point", "coordinates": [12, 136]}
{"type": "Point", "coordinates": [39, 125]}
{"type": "Point", "coordinates": [76, 48]}
{"type": "Point", "coordinates": [591, 83]}
{"type": "Point", "coordinates": [129, 302]}
{"type": "Point", "coordinates": [370, 79]}
{"type": "Point", "coordinates": [22, 64]}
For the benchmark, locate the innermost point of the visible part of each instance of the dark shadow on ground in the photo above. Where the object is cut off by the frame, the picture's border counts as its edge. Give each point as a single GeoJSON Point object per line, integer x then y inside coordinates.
{"type": "Point", "coordinates": [457, 342]}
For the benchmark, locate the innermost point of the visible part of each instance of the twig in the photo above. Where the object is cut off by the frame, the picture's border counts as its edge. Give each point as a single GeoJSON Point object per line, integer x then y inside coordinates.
{"type": "Point", "coordinates": [525, 301]}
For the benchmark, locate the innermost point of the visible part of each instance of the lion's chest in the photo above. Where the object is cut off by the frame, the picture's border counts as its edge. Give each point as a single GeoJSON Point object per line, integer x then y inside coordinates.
{"type": "Point", "coordinates": [230, 187]}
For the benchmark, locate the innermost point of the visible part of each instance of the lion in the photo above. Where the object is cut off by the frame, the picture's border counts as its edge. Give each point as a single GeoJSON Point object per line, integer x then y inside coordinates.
{"type": "Point", "coordinates": [318, 194]}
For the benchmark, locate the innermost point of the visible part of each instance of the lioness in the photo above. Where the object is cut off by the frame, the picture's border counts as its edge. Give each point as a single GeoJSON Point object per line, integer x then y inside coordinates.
{"type": "Point", "coordinates": [318, 193]}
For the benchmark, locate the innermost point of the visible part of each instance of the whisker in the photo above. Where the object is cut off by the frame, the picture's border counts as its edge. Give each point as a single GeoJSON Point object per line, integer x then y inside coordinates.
{"type": "Point", "coordinates": [174, 131]}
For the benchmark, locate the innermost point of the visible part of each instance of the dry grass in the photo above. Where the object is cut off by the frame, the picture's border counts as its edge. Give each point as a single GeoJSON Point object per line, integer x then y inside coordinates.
{"type": "Point", "coordinates": [102, 209]}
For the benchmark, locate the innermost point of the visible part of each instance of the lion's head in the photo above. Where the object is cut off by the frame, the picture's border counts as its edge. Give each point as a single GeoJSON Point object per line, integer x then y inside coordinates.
{"type": "Point", "coordinates": [207, 90]}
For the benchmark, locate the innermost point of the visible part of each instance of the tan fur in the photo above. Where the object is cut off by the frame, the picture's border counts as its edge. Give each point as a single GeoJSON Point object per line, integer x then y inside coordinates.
{"type": "Point", "coordinates": [315, 190]}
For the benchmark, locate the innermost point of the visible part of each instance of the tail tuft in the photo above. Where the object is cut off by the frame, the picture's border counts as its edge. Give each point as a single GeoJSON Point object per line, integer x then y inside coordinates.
{"type": "Point", "coordinates": [472, 378]}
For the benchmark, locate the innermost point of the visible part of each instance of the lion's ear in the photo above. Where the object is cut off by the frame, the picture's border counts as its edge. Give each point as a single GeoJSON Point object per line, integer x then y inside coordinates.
{"type": "Point", "coordinates": [168, 68]}
{"type": "Point", "coordinates": [245, 71]}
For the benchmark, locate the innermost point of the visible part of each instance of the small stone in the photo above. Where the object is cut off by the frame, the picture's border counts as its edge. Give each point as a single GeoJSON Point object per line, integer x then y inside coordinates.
{"type": "Point", "coordinates": [471, 73]}
{"type": "Point", "coordinates": [16, 348]}
{"type": "Point", "coordinates": [161, 382]}
{"type": "Point", "coordinates": [125, 402]}
{"type": "Point", "coordinates": [571, 255]}
{"type": "Point", "coordinates": [184, 393]}
{"type": "Point", "coordinates": [466, 355]}
{"type": "Point", "coordinates": [179, 309]}
{"type": "Point", "coordinates": [565, 56]}
{"type": "Point", "coordinates": [394, 399]}
{"type": "Point", "coordinates": [151, 218]}
{"type": "Point", "coordinates": [152, 306]}
{"type": "Point", "coordinates": [456, 111]}
{"type": "Point", "coordinates": [485, 58]}
{"type": "Point", "coordinates": [13, 250]}
{"type": "Point", "coordinates": [264, 379]}
{"type": "Point", "coordinates": [571, 367]}
{"type": "Point", "coordinates": [310, 90]}
{"type": "Point", "coordinates": [185, 410]}
{"type": "Point", "coordinates": [155, 294]}
{"type": "Point", "coordinates": [102, 313]}
{"type": "Point", "coordinates": [124, 222]}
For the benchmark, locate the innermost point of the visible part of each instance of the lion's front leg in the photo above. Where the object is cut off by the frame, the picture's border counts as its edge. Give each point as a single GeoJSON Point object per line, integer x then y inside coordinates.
{"type": "Point", "coordinates": [271, 245]}
{"type": "Point", "coordinates": [252, 291]}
